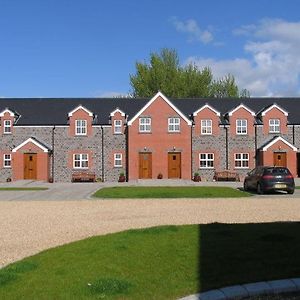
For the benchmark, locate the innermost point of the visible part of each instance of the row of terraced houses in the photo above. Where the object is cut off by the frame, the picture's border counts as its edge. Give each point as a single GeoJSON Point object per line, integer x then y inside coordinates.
{"type": "Point", "coordinates": [53, 139]}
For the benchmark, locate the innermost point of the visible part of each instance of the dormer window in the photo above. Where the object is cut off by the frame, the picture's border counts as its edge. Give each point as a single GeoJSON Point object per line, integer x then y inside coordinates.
{"type": "Point", "coordinates": [206, 126]}
{"type": "Point", "coordinates": [7, 127]}
{"type": "Point", "coordinates": [118, 126]}
{"type": "Point", "coordinates": [274, 126]}
{"type": "Point", "coordinates": [241, 126]}
{"type": "Point", "coordinates": [81, 127]}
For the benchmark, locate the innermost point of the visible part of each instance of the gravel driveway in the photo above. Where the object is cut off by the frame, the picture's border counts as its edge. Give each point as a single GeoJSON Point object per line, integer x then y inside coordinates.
{"type": "Point", "coordinates": [28, 227]}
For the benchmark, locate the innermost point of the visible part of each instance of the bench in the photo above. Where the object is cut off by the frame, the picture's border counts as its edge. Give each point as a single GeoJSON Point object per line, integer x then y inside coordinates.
{"type": "Point", "coordinates": [226, 176]}
{"type": "Point", "coordinates": [83, 177]}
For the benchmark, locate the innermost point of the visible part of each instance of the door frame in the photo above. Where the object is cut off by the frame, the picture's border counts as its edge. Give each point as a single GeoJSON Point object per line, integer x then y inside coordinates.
{"type": "Point", "coordinates": [180, 167]}
{"type": "Point", "coordinates": [284, 154]}
{"type": "Point", "coordinates": [149, 168]}
{"type": "Point", "coordinates": [26, 161]}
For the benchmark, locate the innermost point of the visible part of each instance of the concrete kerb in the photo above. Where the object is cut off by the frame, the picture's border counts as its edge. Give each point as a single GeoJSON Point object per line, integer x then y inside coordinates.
{"type": "Point", "coordinates": [248, 290]}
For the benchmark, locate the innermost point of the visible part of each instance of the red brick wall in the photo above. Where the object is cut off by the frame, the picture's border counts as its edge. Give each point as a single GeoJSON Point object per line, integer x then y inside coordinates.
{"type": "Point", "coordinates": [159, 142]}
{"type": "Point", "coordinates": [242, 113]}
{"type": "Point", "coordinates": [80, 114]}
{"type": "Point", "coordinates": [206, 114]}
{"type": "Point", "coordinates": [275, 113]}
{"type": "Point", "coordinates": [7, 117]}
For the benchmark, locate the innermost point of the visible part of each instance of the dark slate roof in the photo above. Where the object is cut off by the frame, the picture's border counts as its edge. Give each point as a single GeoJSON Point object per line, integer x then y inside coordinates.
{"type": "Point", "coordinates": [54, 111]}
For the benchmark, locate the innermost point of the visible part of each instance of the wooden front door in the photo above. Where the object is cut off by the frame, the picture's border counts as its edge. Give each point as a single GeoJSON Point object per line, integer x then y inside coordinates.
{"type": "Point", "coordinates": [280, 159]}
{"type": "Point", "coordinates": [30, 170]}
{"type": "Point", "coordinates": [174, 165]}
{"type": "Point", "coordinates": [145, 165]}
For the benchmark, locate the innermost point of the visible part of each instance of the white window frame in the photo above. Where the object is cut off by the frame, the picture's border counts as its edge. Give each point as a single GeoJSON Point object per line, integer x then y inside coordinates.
{"type": "Point", "coordinates": [274, 126]}
{"type": "Point", "coordinates": [243, 158]}
{"type": "Point", "coordinates": [6, 160]}
{"type": "Point", "coordinates": [144, 124]}
{"type": "Point", "coordinates": [118, 160]}
{"type": "Point", "coordinates": [80, 161]}
{"type": "Point", "coordinates": [80, 127]}
{"type": "Point", "coordinates": [7, 127]}
{"type": "Point", "coordinates": [174, 124]}
{"type": "Point", "coordinates": [241, 129]}
{"type": "Point", "coordinates": [118, 126]}
{"type": "Point", "coordinates": [208, 159]}
{"type": "Point", "coordinates": [206, 127]}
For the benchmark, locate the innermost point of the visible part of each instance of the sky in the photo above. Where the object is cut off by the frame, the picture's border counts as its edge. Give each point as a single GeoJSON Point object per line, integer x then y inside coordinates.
{"type": "Point", "coordinates": [88, 48]}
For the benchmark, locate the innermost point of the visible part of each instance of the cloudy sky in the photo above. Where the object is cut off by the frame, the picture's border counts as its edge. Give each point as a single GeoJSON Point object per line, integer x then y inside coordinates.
{"type": "Point", "coordinates": [88, 48]}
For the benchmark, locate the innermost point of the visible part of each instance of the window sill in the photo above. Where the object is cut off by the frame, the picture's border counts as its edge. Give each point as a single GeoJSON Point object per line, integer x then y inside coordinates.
{"type": "Point", "coordinates": [206, 168]}
{"type": "Point", "coordinates": [118, 167]}
{"type": "Point", "coordinates": [241, 168]}
{"type": "Point", "coordinates": [6, 167]}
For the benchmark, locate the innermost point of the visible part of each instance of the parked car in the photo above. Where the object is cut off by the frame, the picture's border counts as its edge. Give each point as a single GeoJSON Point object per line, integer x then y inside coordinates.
{"type": "Point", "coordinates": [264, 179]}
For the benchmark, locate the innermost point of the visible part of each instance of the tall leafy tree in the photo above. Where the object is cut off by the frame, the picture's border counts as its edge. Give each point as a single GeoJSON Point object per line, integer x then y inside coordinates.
{"type": "Point", "coordinates": [164, 73]}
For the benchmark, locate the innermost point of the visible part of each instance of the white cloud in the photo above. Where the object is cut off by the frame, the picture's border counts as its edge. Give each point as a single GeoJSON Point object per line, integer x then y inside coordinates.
{"type": "Point", "coordinates": [273, 68]}
{"type": "Point", "coordinates": [194, 32]}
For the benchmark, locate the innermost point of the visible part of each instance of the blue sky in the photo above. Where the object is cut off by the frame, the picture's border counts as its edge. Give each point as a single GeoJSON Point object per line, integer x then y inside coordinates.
{"type": "Point", "coordinates": [77, 48]}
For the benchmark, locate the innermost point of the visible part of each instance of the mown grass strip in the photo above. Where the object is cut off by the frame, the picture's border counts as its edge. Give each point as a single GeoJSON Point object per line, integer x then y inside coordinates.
{"type": "Point", "coordinates": [166, 262]}
{"type": "Point", "coordinates": [170, 192]}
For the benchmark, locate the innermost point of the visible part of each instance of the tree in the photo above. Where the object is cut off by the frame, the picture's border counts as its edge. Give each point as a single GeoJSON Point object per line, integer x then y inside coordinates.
{"type": "Point", "coordinates": [165, 74]}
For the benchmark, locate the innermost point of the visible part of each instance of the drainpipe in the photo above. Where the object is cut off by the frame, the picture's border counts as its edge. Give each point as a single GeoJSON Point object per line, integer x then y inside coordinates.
{"type": "Point", "coordinates": [127, 153]}
{"type": "Point", "coordinates": [293, 134]}
{"type": "Point", "coordinates": [52, 171]}
{"type": "Point", "coordinates": [192, 152]}
{"type": "Point", "coordinates": [255, 145]}
{"type": "Point", "coordinates": [226, 145]}
{"type": "Point", "coordinates": [102, 150]}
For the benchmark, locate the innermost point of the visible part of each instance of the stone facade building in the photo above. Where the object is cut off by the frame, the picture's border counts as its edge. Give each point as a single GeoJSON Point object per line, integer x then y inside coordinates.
{"type": "Point", "coordinates": [55, 139]}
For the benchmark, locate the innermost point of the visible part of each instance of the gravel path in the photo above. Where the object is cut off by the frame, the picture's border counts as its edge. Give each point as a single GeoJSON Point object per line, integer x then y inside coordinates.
{"type": "Point", "coordinates": [28, 227]}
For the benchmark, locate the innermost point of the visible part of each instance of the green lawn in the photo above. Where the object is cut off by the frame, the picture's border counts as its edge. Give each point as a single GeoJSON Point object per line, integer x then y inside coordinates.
{"type": "Point", "coordinates": [23, 188]}
{"type": "Point", "coordinates": [169, 192]}
{"type": "Point", "coordinates": [158, 263]}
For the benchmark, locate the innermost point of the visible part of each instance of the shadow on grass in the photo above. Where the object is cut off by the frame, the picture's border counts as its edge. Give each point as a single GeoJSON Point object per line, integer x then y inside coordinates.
{"type": "Point", "coordinates": [232, 254]}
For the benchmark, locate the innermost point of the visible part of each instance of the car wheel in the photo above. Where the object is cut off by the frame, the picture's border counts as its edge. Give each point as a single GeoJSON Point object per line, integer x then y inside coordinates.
{"type": "Point", "coordinates": [259, 189]}
{"type": "Point", "coordinates": [290, 192]}
{"type": "Point", "coordinates": [246, 187]}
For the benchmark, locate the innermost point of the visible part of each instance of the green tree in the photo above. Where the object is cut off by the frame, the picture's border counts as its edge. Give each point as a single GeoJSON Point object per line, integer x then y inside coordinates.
{"type": "Point", "coordinates": [165, 74]}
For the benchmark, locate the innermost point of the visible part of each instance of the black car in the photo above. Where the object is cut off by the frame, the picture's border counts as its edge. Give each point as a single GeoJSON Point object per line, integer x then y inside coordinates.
{"type": "Point", "coordinates": [264, 179]}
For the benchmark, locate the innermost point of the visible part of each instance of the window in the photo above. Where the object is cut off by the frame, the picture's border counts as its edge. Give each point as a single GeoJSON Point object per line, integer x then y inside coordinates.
{"type": "Point", "coordinates": [7, 126]}
{"type": "Point", "coordinates": [274, 125]}
{"type": "Point", "coordinates": [206, 126]}
{"type": "Point", "coordinates": [206, 160]}
{"type": "Point", "coordinates": [145, 124]}
{"type": "Point", "coordinates": [174, 124]}
{"type": "Point", "coordinates": [7, 160]}
{"type": "Point", "coordinates": [81, 161]}
{"type": "Point", "coordinates": [118, 126]}
{"type": "Point", "coordinates": [241, 160]}
{"type": "Point", "coordinates": [118, 160]}
{"type": "Point", "coordinates": [80, 127]}
{"type": "Point", "coordinates": [241, 126]}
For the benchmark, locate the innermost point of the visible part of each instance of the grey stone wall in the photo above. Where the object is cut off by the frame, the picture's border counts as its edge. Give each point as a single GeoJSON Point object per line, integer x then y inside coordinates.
{"type": "Point", "coordinates": [113, 143]}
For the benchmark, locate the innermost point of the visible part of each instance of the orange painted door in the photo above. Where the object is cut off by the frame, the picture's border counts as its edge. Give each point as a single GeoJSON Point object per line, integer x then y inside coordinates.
{"type": "Point", "coordinates": [30, 166]}
{"type": "Point", "coordinates": [279, 159]}
{"type": "Point", "coordinates": [174, 165]}
{"type": "Point", "coordinates": [145, 165]}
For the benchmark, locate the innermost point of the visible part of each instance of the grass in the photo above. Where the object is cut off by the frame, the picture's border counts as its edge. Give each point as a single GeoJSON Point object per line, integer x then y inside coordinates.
{"type": "Point", "coordinates": [157, 263]}
{"type": "Point", "coordinates": [169, 192]}
{"type": "Point", "coordinates": [23, 188]}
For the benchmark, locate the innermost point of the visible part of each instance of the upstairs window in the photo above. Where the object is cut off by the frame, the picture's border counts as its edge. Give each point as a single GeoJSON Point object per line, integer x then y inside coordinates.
{"type": "Point", "coordinates": [174, 124]}
{"type": "Point", "coordinates": [145, 124]}
{"type": "Point", "coordinates": [206, 126]}
{"type": "Point", "coordinates": [118, 160]}
{"type": "Point", "coordinates": [241, 126]}
{"type": "Point", "coordinates": [206, 160]}
{"type": "Point", "coordinates": [118, 126]}
{"type": "Point", "coordinates": [80, 161]}
{"type": "Point", "coordinates": [274, 125]}
{"type": "Point", "coordinates": [241, 160]}
{"type": "Point", "coordinates": [7, 160]}
{"type": "Point", "coordinates": [80, 127]}
{"type": "Point", "coordinates": [7, 126]}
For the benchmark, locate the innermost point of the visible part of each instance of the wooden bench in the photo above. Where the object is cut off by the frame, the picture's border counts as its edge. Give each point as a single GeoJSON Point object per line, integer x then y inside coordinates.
{"type": "Point", "coordinates": [226, 176]}
{"type": "Point", "coordinates": [83, 177]}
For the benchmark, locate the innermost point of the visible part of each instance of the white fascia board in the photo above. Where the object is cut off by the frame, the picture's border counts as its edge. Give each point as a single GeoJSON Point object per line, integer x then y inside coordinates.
{"type": "Point", "coordinates": [279, 138]}
{"type": "Point", "coordinates": [6, 110]}
{"type": "Point", "coordinates": [160, 94]}
{"type": "Point", "coordinates": [70, 114]}
{"type": "Point", "coordinates": [241, 106]}
{"type": "Point", "coordinates": [117, 110]}
{"type": "Point", "coordinates": [30, 140]}
{"type": "Point", "coordinates": [206, 106]}
{"type": "Point", "coordinates": [274, 106]}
